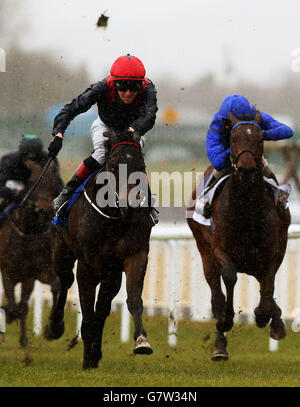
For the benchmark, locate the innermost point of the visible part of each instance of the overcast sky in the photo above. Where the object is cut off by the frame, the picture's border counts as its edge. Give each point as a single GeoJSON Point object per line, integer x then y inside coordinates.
{"type": "Point", "coordinates": [181, 38]}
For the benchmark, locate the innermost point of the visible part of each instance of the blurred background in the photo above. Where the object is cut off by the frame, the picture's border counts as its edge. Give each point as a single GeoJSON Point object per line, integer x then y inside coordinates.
{"type": "Point", "coordinates": [196, 52]}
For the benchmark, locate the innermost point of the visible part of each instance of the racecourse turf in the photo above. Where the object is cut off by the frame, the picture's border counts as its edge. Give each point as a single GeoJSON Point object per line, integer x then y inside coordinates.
{"type": "Point", "coordinates": [188, 364]}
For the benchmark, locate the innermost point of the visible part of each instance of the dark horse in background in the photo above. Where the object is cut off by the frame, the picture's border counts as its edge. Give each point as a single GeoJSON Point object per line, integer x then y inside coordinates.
{"type": "Point", "coordinates": [106, 241]}
{"type": "Point", "coordinates": [250, 235]}
{"type": "Point", "coordinates": [25, 245]}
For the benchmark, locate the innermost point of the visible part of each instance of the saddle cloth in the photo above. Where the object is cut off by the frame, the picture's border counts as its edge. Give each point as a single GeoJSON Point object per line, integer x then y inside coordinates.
{"type": "Point", "coordinates": [61, 216]}
{"type": "Point", "coordinates": [207, 196]}
{"type": "Point", "coordinates": [7, 210]}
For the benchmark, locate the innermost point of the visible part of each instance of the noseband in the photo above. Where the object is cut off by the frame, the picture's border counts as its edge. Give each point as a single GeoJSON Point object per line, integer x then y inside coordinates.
{"type": "Point", "coordinates": [234, 159]}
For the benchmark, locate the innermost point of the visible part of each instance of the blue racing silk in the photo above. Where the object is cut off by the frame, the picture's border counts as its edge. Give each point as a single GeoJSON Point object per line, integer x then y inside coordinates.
{"type": "Point", "coordinates": [218, 135]}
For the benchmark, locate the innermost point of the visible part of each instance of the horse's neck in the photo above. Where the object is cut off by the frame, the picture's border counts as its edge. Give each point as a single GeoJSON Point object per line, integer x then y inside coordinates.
{"type": "Point", "coordinates": [248, 196]}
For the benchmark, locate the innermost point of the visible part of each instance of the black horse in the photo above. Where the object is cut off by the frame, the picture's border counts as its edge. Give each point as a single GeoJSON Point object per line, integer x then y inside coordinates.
{"type": "Point", "coordinates": [250, 235]}
{"type": "Point", "coordinates": [25, 245]}
{"type": "Point", "coordinates": [106, 241]}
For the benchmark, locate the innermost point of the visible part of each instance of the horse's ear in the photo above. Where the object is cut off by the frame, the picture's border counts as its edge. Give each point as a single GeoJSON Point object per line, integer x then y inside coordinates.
{"type": "Point", "coordinates": [233, 120]}
{"type": "Point", "coordinates": [136, 137]}
{"type": "Point", "coordinates": [257, 118]}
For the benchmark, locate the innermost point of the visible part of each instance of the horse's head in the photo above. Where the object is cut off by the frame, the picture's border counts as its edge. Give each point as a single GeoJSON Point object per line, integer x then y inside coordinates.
{"type": "Point", "coordinates": [246, 146]}
{"type": "Point", "coordinates": [125, 161]}
{"type": "Point", "coordinates": [38, 209]}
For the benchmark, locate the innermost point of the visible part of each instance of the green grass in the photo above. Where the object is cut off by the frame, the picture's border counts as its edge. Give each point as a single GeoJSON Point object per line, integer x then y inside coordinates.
{"type": "Point", "coordinates": [50, 364]}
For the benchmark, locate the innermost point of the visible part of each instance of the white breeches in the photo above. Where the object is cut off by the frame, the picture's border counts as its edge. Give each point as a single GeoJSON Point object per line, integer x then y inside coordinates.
{"type": "Point", "coordinates": [97, 130]}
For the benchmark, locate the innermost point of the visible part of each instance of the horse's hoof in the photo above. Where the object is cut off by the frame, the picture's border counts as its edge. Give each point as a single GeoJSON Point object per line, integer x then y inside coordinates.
{"type": "Point", "coordinates": [277, 329]}
{"type": "Point", "coordinates": [142, 346]}
{"type": "Point", "coordinates": [54, 330]}
{"type": "Point", "coordinates": [90, 365]}
{"type": "Point", "coordinates": [219, 354]}
{"type": "Point", "coordinates": [24, 342]}
{"type": "Point", "coordinates": [261, 319]}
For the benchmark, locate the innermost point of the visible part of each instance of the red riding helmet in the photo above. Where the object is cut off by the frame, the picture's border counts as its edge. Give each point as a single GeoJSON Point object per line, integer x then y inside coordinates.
{"type": "Point", "coordinates": [128, 67]}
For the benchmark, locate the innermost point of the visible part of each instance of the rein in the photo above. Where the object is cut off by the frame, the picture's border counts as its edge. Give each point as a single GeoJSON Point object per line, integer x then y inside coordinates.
{"type": "Point", "coordinates": [86, 194]}
{"type": "Point", "coordinates": [97, 208]}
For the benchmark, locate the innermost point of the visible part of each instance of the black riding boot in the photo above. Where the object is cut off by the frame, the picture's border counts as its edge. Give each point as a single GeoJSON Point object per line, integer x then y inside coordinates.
{"type": "Point", "coordinates": [67, 192]}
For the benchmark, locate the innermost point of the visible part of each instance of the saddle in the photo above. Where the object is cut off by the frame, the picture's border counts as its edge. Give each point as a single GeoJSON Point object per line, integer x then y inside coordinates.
{"type": "Point", "coordinates": [62, 215]}
{"type": "Point", "coordinates": [203, 212]}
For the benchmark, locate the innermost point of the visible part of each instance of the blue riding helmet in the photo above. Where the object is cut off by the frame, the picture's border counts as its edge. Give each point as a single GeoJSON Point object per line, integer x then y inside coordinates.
{"type": "Point", "coordinates": [239, 106]}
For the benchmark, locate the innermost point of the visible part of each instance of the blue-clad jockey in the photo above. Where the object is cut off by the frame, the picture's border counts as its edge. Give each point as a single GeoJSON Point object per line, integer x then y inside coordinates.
{"type": "Point", "coordinates": [218, 135]}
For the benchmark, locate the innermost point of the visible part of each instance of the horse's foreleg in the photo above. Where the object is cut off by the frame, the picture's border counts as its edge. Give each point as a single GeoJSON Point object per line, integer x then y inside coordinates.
{"type": "Point", "coordinates": [11, 309]}
{"type": "Point", "coordinates": [89, 327]}
{"type": "Point", "coordinates": [218, 304]}
{"type": "Point", "coordinates": [109, 288]}
{"type": "Point", "coordinates": [63, 268]}
{"type": "Point", "coordinates": [27, 287]}
{"type": "Point", "coordinates": [229, 276]}
{"type": "Point", "coordinates": [224, 309]}
{"type": "Point", "coordinates": [135, 269]}
{"type": "Point", "coordinates": [268, 309]}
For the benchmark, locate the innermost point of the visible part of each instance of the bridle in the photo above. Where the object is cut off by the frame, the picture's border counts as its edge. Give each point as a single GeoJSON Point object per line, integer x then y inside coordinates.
{"type": "Point", "coordinates": [234, 159]}
{"type": "Point", "coordinates": [90, 200]}
{"type": "Point", "coordinates": [125, 142]}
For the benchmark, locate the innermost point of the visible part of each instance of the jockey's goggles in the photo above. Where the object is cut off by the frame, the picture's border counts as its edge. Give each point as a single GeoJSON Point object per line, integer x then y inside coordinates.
{"type": "Point", "coordinates": [132, 86]}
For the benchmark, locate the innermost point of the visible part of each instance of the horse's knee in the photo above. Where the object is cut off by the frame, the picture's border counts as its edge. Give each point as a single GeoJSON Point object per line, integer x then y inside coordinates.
{"type": "Point", "coordinates": [55, 285]}
{"type": "Point", "coordinates": [229, 275]}
{"type": "Point", "coordinates": [66, 279]}
{"type": "Point", "coordinates": [22, 309]}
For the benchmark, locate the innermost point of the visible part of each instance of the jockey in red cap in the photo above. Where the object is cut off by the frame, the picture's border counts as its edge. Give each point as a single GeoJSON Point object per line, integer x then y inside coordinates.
{"type": "Point", "coordinates": [126, 100]}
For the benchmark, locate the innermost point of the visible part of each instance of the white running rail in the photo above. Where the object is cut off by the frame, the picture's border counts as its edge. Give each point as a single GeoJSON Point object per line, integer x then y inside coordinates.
{"type": "Point", "coordinates": [175, 285]}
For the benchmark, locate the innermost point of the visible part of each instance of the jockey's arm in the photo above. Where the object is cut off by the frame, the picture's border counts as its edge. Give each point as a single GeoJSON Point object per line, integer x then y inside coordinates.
{"type": "Point", "coordinates": [273, 129]}
{"type": "Point", "coordinates": [78, 105]}
{"type": "Point", "coordinates": [216, 148]}
{"type": "Point", "coordinates": [147, 111]}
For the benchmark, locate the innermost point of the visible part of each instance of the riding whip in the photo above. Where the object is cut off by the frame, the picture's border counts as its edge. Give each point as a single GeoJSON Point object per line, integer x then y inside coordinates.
{"type": "Point", "coordinates": [36, 182]}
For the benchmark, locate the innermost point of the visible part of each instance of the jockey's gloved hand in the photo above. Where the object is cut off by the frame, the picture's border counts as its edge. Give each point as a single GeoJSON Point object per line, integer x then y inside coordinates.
{"type": "Point", "coordinates": [129, 132]}
{"type": "Point", "coordinates": [55, 146]}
